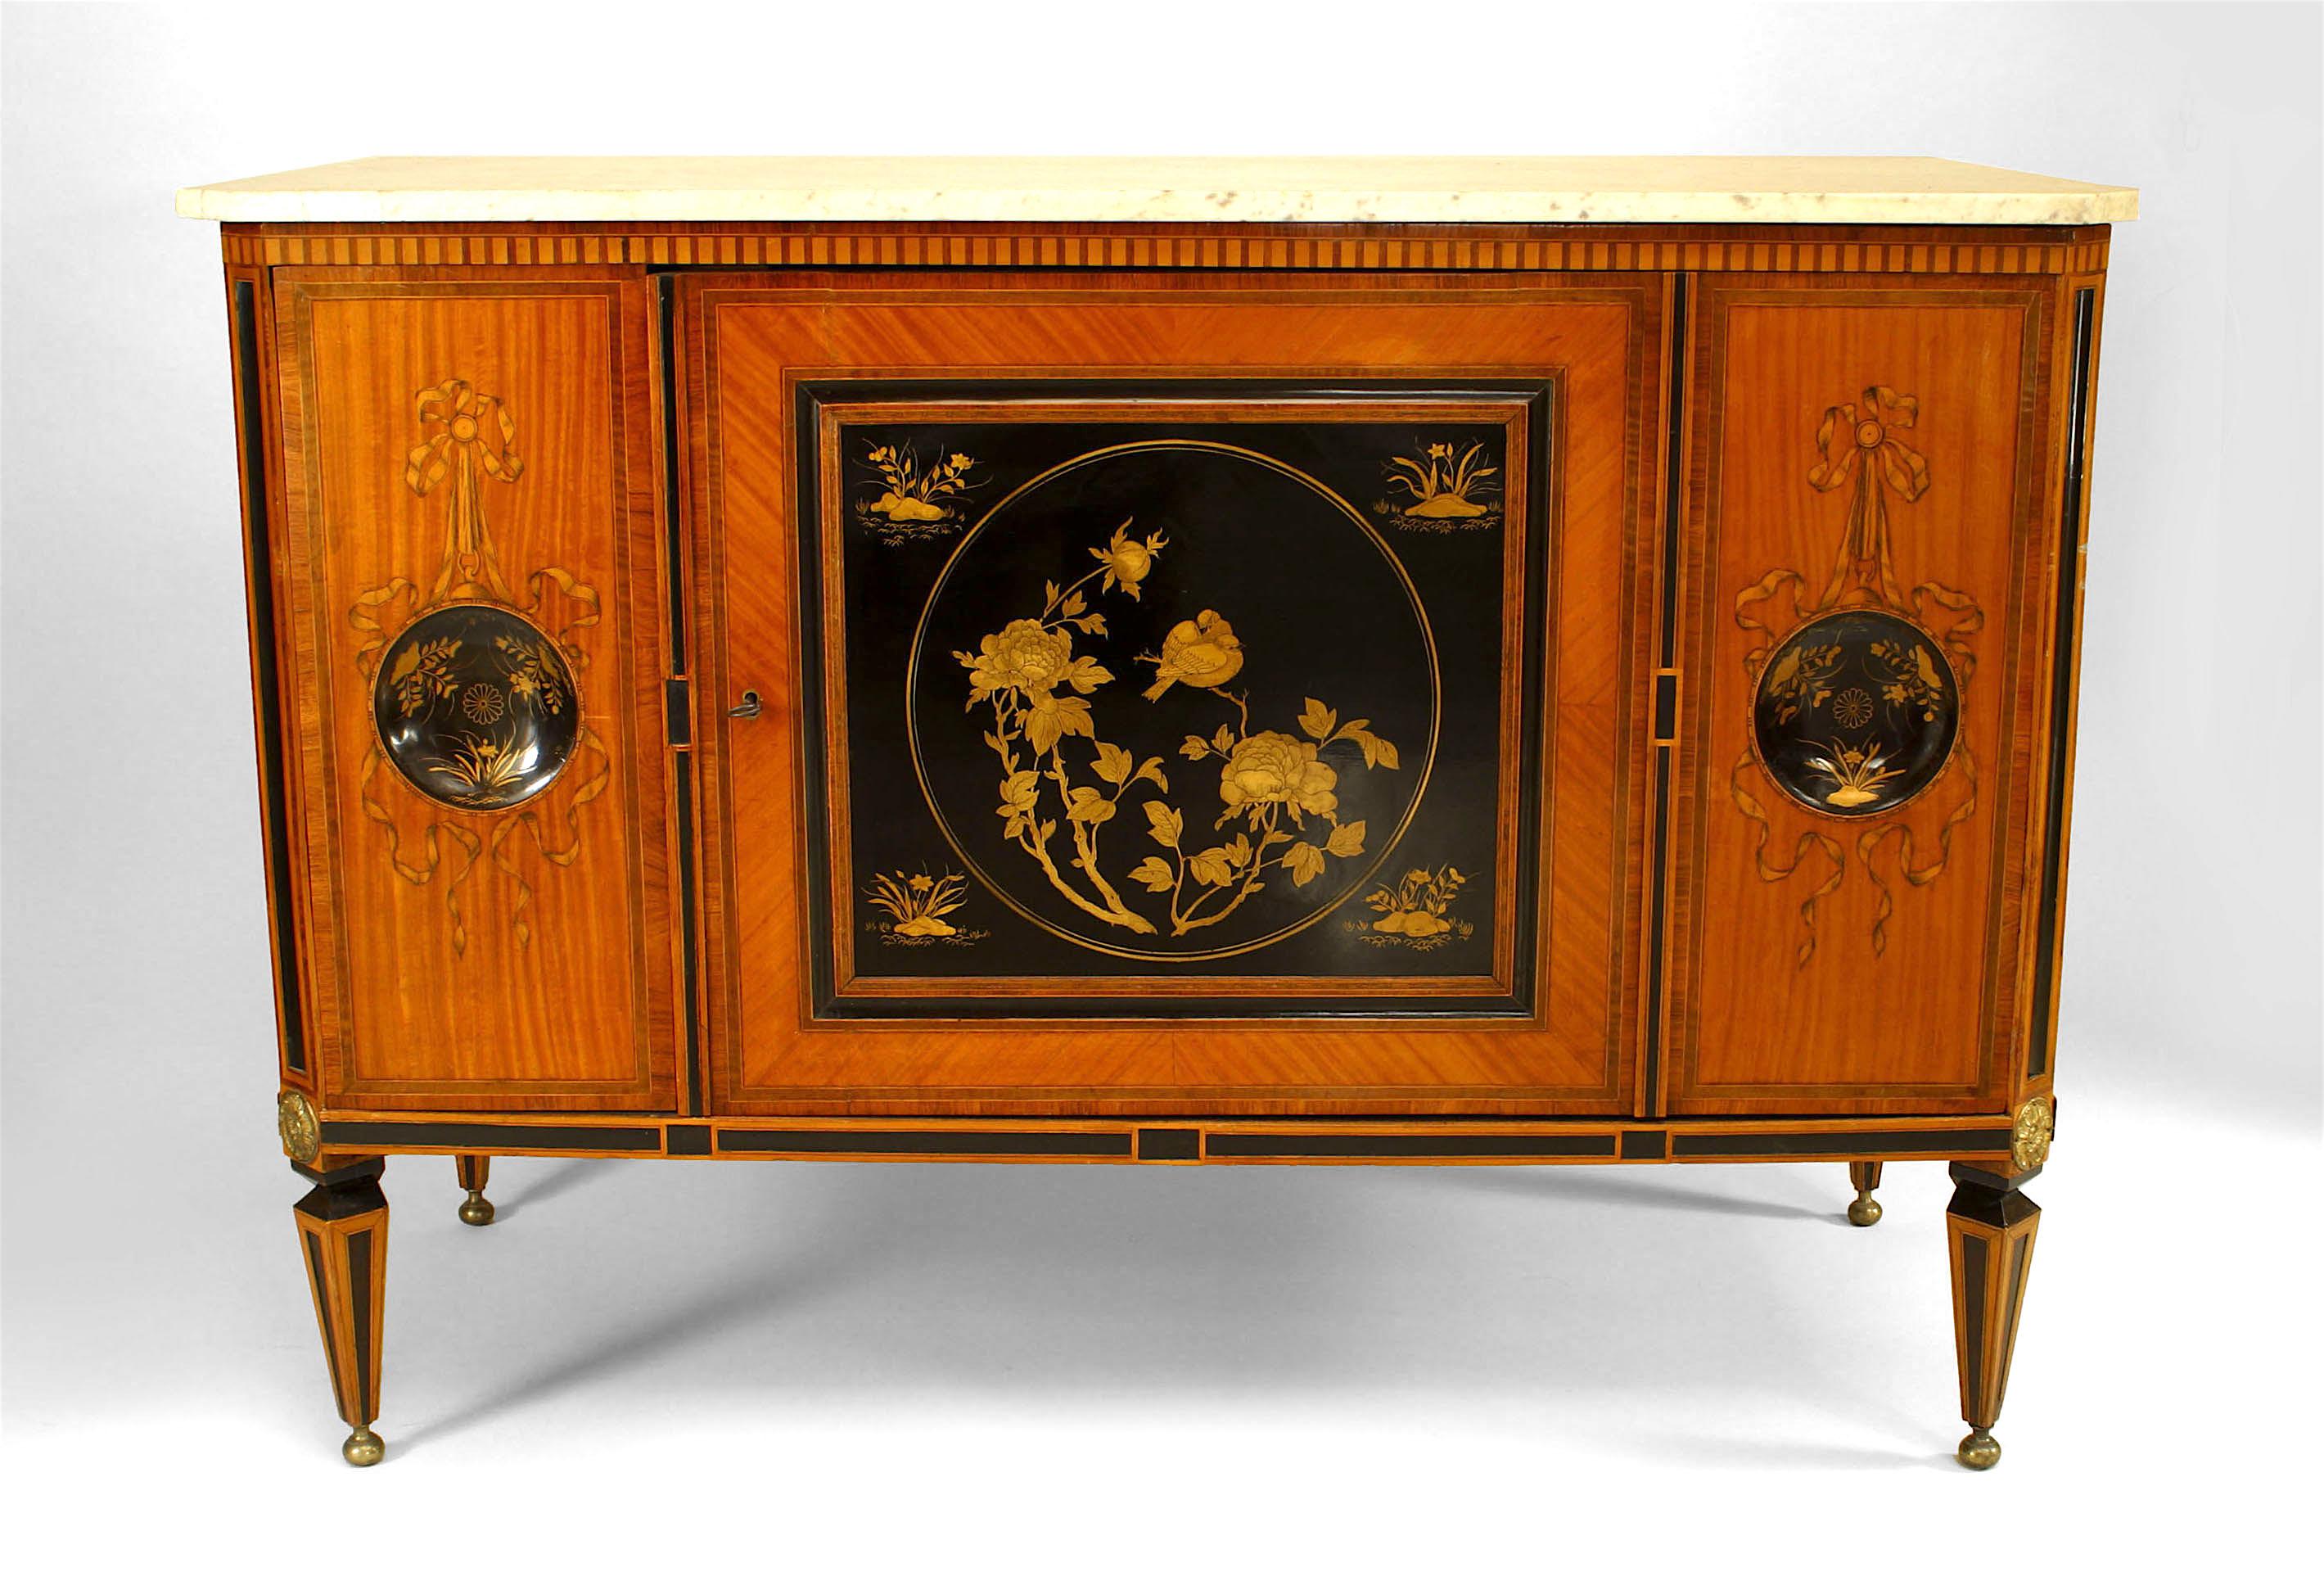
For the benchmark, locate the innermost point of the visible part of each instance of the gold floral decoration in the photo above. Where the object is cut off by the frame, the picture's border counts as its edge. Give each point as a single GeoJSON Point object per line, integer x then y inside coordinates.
{"type": "Point", "coordinates": [915, 498]}
{"type": "Point", "coordinates": [1442, 488]}
{"type": "Point", "coordinates": [1275, 788]}
{"type": "Point", "coordinates": [917, 905]}
{"type": "Point", "coordinates": [1415, 911]}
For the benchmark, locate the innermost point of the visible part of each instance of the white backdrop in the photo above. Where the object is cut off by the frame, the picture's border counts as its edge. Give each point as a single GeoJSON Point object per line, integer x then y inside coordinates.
{"type": "Point", "coordinates": [1277, 1347]}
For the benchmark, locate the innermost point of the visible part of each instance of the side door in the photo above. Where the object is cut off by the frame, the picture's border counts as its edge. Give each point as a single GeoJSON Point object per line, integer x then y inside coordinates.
{"type": "Point", "coordinates": [474, 585]}
{"type": "Point", "coordinates": [1872, 531]}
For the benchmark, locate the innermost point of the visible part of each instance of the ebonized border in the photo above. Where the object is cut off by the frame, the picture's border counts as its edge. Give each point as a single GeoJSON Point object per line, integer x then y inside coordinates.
{"type": "Point", "coordinates": [1839, 1143]}
{"type": "Point", "coordinates": [1230, 1143]}
{"type": "Point", "coordinates": [678, 697]}
{"type": "Point", "coordinates": [491, 1138]}
{"type": "Point", "coordinates": [2062, 691]}
{"type": "Point", "coordinates": [249, 372]}
{"type": "Point", "coordinates": [813, 723]}
{"type": "Point", "coordinates": [933, 1143]}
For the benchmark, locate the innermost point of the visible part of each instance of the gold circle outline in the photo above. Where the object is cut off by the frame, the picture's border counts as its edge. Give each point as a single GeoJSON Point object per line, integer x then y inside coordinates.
{"type": "Point", "coordinates": [1945, 765]}
{"type": "Point", "coordinates": [1379, 544]}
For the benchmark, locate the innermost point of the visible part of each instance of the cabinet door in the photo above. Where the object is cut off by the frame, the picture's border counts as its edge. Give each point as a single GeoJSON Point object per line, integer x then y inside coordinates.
{"type": "Point", "coordinates": [1216, 699]}
{"type": "Point", "coordinates": [474, 585]}
{"type": "Point", "coordinates": [1872, 510]}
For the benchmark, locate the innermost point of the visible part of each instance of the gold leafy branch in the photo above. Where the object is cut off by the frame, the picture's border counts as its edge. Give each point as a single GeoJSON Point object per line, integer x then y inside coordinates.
{"type": "Point", "coordinates": [1280, 796]}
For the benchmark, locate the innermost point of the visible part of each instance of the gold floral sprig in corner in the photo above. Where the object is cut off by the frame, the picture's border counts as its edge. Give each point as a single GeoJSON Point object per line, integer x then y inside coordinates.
{"type": "Point", "coordinates": [1413, 913]}
{"type": "Point", "coordinates": [1280, 795]}
{"type": "Point", "coordinates": [914, 499]}
{"type": "Point", "coordinates": [1442, 490]}
{"type": "Point", "coordinates": [917, 905]}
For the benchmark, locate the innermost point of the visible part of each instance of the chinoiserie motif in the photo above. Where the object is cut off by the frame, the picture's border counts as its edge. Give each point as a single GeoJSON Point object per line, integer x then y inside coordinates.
{"type": "Point", "coordinates": [474, 692]}
{"type": "Point", "coordinates": [918, 907]}
{"type": "Point", "coordinates": [1445, 487]}
{"type": "Point", "coordinates": [914, 499]}
{"type": "Point", "coordinates": [1858, 694]}
{"type": "Point", "coordinates": [1187, 774]}
{"type": "Point", "coordinates": [1417, 910]}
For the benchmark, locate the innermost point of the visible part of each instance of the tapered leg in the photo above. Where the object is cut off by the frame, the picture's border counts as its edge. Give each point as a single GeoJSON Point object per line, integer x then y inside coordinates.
{"type": "Point", "coordinates": [1989, 1228]}
{"type": "Point", "coordinates": [1864, 1211]}
{"type": "Point", "coordinates": [475, 1172]}
{"type": "Point", "coordinates": [343, 1235]}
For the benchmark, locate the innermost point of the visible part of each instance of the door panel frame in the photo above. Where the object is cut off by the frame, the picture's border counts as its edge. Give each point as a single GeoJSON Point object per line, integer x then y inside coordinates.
{"type": "Point", "coordinates": [1627, 373]}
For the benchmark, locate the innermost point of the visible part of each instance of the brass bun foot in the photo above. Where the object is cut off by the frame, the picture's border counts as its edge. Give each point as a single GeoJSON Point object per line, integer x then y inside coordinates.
{"type": "Point", "coordinates": [1863, 1211]}
{"type": "Point", "coordinates": [363, 1448]}
{"type": "Point", "coordinates": [475, 1211]}
{"type": "Point", "coordinates": [1978, 1451]}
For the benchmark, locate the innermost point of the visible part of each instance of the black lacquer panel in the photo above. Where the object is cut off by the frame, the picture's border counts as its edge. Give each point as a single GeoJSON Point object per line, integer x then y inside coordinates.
{"type": "Point", "coordinates": [1857, 713]}
{"type": "Point", "coordinates": [476, 708]}
{"type": "Point", "coordinates": [1215, 696]}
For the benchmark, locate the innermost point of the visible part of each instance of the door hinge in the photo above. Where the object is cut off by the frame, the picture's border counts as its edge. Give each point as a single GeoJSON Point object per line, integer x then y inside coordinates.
{"type": "Point", "coordinates": [677, 711]}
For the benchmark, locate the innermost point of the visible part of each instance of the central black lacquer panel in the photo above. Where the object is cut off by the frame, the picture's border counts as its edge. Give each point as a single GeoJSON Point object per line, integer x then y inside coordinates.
{"type": "Point", "coordinates": [1235, 696]}
{"type": "Point", "coordinates": [1189, 733]}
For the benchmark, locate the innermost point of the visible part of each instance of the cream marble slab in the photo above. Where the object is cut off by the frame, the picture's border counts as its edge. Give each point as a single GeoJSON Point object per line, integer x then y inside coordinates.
{"type": "Point", "coordinates": [1397, 190]}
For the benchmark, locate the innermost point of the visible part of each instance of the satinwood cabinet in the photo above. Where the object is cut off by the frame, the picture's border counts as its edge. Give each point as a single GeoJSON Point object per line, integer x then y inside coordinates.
{"type": "Point", "coordinates": [1483, 665]}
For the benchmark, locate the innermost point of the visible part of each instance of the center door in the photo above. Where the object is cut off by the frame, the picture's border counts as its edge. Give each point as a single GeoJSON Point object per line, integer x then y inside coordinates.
{"type": "Point", "coordinates": [1133, 698]}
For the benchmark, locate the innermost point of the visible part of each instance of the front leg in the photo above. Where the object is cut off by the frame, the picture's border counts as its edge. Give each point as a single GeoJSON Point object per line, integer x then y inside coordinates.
{"type": "Point", "coordinates": [1989, 1228]}
{"type": "Point", "coordinates": [343, 1235]}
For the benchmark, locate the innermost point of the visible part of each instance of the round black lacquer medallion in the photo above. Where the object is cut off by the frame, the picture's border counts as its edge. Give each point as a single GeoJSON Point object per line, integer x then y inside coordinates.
{"type": "Point", "coordinates": [475, 706]}
{"type": "Point", "coordinates": [1857, 713]}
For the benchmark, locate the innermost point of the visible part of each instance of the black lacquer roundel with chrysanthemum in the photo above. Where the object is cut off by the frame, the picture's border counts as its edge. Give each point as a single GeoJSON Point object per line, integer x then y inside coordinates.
{"type": "Point", "coordinates": [1857, 713]}
{"type": "Point", "coordinates": [475, 706]}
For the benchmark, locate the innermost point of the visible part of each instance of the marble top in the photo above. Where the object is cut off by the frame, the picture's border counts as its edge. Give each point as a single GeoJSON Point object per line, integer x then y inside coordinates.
{"type": "Point", "coordinates": [1259, 190]}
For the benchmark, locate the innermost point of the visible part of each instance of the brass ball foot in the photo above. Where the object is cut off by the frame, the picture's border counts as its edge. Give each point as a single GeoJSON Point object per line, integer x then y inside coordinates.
{"type": "Point", "coordinates": [475, 1211]}
{"type": "Point", "coordinates": [1978, 1451]}
{"type": "Point", "coordinates": [363, 1448]}
{"type": "Point", "coordinates": [1864, 1211]}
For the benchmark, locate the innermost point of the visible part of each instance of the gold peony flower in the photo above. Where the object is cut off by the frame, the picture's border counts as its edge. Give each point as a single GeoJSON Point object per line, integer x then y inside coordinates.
{"type": "Point", "coordinates": [1127, 562]}
{"type": "Point", "coordinates": [1024, 655]}
{"type": "Point", "coordinates": [1271, 767]}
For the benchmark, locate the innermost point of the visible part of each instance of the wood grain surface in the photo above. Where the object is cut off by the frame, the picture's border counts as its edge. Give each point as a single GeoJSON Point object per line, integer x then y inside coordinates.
{"type": "Point", "coordinates": [462, 958]}
{"type": "Point", "coordinates": [1844, 985]}
{"type": "Point", "coordinates": [750, 338]}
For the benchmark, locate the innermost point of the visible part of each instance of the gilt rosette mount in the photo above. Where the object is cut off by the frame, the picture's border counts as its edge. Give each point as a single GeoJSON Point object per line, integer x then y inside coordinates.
{"type": "Point", "coordinates": [1856, 716]}
{"type": "Point", "coordinates": [295, 1123]}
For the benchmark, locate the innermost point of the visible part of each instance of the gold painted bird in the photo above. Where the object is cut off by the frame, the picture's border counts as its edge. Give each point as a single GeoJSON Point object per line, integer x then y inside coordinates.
{"type": "Point", "coordinates": [1201, 653]}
